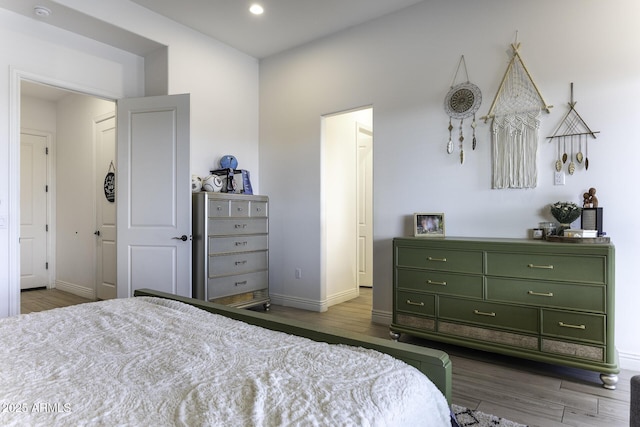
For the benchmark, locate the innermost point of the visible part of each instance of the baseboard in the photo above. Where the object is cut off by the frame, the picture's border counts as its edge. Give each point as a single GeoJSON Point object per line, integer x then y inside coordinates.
{"type": "Point", "coordinates": [78, 290]}
{"type": "Point", "coordinates": [629, 361]}
{"type": "Point", "coordinates": [301, 303]}
{"type": "Point", "coordinates": [342, 297]}
{"type": "Point", "coordinates": [381, 317]}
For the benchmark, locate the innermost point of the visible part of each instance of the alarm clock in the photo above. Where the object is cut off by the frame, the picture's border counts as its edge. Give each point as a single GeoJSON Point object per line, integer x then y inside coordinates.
{"type": "Point", "coordinates": [228, 162]}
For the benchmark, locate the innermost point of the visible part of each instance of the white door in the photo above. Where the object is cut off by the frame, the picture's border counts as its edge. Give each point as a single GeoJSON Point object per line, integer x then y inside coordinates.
{"type": "Point", "coordinates": [153, 195]}
{"type": "Point", "coordinates": [105, 137]}
{"type": "Point", "coordinates": [33, 210]}
{"type": "Point", "coordinates": [365, 205]}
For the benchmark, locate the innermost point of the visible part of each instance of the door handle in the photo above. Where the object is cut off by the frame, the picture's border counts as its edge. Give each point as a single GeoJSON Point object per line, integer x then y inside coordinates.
{"type": "Point", "coordinates": [184, 238]}
{"type": "Point", "coordinates": [97, 233]}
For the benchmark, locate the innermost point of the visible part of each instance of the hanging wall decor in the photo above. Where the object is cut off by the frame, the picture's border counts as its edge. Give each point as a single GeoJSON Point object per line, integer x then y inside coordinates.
{"type": "Point", "coordinates": [575, 130]}
{"type": "Point", "coordinates": [516, 113]}
{"type": "Point", "coordinates": [110, 184]}
{"type": "Point", "coordinates": [462, 101]}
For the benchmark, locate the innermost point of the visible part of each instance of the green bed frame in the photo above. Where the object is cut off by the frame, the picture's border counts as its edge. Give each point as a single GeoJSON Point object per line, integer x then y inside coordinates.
{"type": "Point", "coordinates": [435, 364]}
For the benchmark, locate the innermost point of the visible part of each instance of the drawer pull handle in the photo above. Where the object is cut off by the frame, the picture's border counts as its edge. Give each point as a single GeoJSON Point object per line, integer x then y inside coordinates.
{"type": "Point", "coordinates": [241, 262]}
{"type": "Point", "coordinates": [568, 325]}
{"type": "Point", "coordinates": [241, 243]}
{"type": "Point", "coordinates": [483, 313]}
{"type": "Point", "coordinates": [545, 267]}
{"type": "Point", "coordinates": [419, 304]}
{"type": "Point", "coordinates": [436, 259]}
{"type": "Point", "coordinates": [431, 282]}
{"type": "Point", "coordinates": [241, 225]}
{"type": "Point", "coordinates": [244, 282]}
{"type": "Point", "coordinates": [541, 294]}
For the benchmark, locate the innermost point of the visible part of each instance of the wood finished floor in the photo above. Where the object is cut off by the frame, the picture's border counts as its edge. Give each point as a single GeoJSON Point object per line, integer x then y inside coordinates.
{"type": "Point", "coordinates": [531, 393]}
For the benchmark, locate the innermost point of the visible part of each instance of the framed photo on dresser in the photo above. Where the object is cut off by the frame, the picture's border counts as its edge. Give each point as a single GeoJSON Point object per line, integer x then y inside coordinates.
{"type": "Point", "coordinates": [428, 225]}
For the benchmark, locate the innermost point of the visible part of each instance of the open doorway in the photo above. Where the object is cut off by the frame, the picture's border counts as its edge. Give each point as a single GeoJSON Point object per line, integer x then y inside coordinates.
{"type": "Point", "coordinates": [76, 129]}
{"type": "Point", "coordinates": [347, 193]}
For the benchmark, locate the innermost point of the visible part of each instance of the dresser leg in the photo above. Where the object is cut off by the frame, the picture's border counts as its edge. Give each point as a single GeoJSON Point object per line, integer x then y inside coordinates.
{"type": "Point", "coordinates": [394, 335]}
{"type": "Point", "coordinates": [609, 381]}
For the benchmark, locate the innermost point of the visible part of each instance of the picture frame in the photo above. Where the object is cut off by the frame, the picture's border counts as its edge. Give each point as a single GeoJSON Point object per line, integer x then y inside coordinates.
{"type": "Point", "coordinates": [428, 224]}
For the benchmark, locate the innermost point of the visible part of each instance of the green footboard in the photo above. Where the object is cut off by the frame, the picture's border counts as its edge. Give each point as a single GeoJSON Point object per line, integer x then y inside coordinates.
{"type": "Point", "coordinates": [435, 364]}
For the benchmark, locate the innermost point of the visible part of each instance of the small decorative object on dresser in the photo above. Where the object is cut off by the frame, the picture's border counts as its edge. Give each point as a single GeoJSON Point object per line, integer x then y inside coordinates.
{"type": "Point", "coordinates": [428, 225]}
{"type": "Point", "coordinates": [565, 213]}
{"type": "Point", "coordinates": [549, 302]}
{"type": "Point", "coordinates": [231, 249]}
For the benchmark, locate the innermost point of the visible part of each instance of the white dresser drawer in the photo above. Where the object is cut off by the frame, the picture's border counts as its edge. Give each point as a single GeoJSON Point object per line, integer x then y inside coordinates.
{"type": "Point", "coordinates": [232, 285]}
{"type": "Point", "coordinates": [224, 265]}
{"type": "Point", "coordinates": [219, 245]}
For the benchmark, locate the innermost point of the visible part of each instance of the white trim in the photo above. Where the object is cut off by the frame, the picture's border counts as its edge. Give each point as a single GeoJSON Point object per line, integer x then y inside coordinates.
{"type": "Point", "coordinates": [78, 290]}
{"type": "Point", "coordinates": [343, 296]}
{"type": "Point", "coordinates": [380, 317]}
{"type": "Point", "coordinates": [295, 302]}
{"type": "Point", "coordinates": [15, 78]}
{"type": "Point", "coordinates": [630, 361]}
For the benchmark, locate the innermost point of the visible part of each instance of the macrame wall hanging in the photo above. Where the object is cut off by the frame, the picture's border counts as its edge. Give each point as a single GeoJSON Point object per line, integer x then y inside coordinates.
{"type": "Point", "coordinates": [575, 130]}
{"type": "Point", "coordinates": [462, 101]}
{"type": "Point", "coordinates": [516, 112]}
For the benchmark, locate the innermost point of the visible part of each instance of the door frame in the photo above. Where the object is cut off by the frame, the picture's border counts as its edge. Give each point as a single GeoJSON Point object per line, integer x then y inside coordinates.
{"type": "Point", "coordinates": [16, 77]}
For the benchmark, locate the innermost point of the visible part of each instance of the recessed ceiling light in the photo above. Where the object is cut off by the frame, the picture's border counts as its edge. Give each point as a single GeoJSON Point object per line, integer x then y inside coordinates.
{"type": "Point", "coordinates": [41, 11]}
{"type": "Point", "coordinates": [256, 9]}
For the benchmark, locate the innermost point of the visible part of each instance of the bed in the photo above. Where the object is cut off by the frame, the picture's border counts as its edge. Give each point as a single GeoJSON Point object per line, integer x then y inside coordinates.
{"type": "Point", "coordinates": [158, 359]}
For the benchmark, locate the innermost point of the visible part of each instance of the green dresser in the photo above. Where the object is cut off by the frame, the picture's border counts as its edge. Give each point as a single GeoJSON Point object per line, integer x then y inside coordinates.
{"type": "Point", "coordinates": [545, 301]}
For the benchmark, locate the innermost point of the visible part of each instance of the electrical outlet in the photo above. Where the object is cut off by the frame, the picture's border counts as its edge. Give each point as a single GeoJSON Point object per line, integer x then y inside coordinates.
{"type": "Point", "coordinates": [298, 273]}
{"type": "Point", "coordinates": [558, 178]}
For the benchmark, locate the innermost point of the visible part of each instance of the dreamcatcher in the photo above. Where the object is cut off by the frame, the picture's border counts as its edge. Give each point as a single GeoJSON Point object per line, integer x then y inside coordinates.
{"type": "Point", "coordinates": [572, 127]}
{"type": "Point", "coordinates": [462, 101]}
{"type": "Point", "coordinates": [516, 113]}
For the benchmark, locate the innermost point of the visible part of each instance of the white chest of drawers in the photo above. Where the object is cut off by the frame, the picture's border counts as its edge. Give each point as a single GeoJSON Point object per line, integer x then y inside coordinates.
{"type": "Point", "coordinates": [231, 249]}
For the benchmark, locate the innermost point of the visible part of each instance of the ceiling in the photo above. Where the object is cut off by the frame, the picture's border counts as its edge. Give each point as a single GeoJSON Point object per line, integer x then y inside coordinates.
{"type": "Point", "coordinates": [285, 23]}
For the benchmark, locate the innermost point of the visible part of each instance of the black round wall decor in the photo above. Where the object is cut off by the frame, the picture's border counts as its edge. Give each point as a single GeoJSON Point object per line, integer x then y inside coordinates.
{"type": "Point", "coordinates": [110, 187]}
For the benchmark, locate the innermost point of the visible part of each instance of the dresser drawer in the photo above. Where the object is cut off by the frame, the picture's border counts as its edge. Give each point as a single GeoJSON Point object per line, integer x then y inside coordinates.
{"type": "Point", "coordinates": [578, 326]}
{"type": "Point", "coordinates": [490, 314]}
{"type": "Point", "coordinates": [547, 294]}
{"type": "Point", "coordinates": [259, 209]}
{"type": "Point", "coordinates": [440, 282]}
{"type": "Point", "coordinates": [231, 285]}
{"type": "Point", "coordinates": [219, 208]}
{"type": "Point", "coordinates": [218, 245]}
{"type": "Point", "coordinates": [239, 208]}
{"type": "Point", "coordinates": [440, 259]}
{"type": "Point", "coordinates": [232, 226]}
{"type": "Point", "coordinates": [573, 268]}
{"type": "Point", "coordinates": [413, 302]}
{"type": "Point", "coordinates": [222, 265]}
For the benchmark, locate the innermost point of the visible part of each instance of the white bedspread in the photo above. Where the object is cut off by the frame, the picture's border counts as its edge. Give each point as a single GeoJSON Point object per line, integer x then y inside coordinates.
{"type": "Point", "coordinates": [153, 362]}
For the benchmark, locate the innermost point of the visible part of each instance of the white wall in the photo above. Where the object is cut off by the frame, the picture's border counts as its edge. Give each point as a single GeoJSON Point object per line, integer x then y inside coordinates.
{"type": "Point", "coordinates": [30, 48]}
{"type": "Point", "coordinates": [222, 81]}
{"type": "Point", "coordinates": [75, 192]}
{"type": "Point", "coordinates": [403, 65]}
